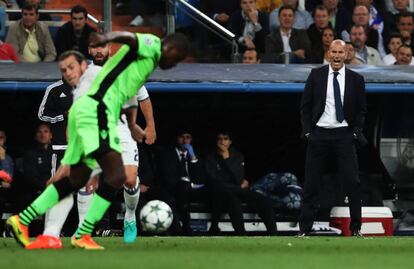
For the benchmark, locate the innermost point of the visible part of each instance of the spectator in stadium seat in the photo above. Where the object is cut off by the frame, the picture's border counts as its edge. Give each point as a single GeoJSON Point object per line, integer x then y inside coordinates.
{"type": "Point", "coordinates": [350, 56]}
{"type": "Point", "coordinates": [6, 170]}
{"type": "Point", "coordinates": [361, 16]}
{"type": "Point", "coordinates": [182, 173]}
{"type": "Point", "coordinates": [219, 10]}
{"type": "Point", "coordinates": [249, 25]}
{"type": "Point", "coordinates": [210, 45]}
{"type": "Point", "coordinates": [321, 21]}
{"type": "Point", "coordinates": [391, 17]}
{"type": "Point", "coordinates": [74, 35]}
{"type": "Point", "coordinates": [229, 188]}
{"type": "Point", "coordinates": [405, 26]}
{"type": "Point", "coordinates": [302, 18]}
{"type": "Point", "coordinates": [37, 162]}
{"type": "Point", "coordinates": [328, 35]}
{"type": "Point", "coordinates": [31, 38]}
{"type": "Point", "coordinates": [364, 53]}
{"type": "Point", "coordinates": [404, 55]}
{"type": "Point", "coordinates": [6, 162]}
{"type": "Point", "coordinates": [395, 41]}
{"type": "Point", "coordinates": [287, 40]}
{"type": "Point", "coordinates": [250, 56]}
{"type": "Point", "coordinates": [339, 16]}
{"type": "Point", "coordinates": [7, 52]}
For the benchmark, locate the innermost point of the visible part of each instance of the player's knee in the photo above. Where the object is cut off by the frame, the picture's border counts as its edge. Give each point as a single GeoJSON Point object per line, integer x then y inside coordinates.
{"type": "Point", "coordinates": [131, 180]}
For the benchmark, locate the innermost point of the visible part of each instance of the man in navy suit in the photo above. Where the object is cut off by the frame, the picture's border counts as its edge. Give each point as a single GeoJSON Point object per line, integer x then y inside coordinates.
{"type": "Point", "coordinates": [333, 112]}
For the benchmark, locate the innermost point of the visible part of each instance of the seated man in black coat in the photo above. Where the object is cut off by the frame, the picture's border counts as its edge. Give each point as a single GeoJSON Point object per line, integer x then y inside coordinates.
{"type": "Point", "coordinates": [37, 163]}
{"type": "Point", "coordinates": [182, 174]}
{"type": "Point", "coordinates": [74, 35]}
{"type": "Point", "coordinates": [225, 176]}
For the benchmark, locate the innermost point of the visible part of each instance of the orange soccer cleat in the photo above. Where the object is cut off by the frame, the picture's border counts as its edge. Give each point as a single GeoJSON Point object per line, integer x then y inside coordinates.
{"type": "Point", "coordinates": [45, 242]}
{"type": "Point", "coordinates": [85, 242]}
{"type": "Point", "coordinates": [20, 232]}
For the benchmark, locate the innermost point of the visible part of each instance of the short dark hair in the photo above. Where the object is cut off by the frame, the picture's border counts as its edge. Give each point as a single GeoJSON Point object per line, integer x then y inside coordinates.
{"type": "Point", "coordinates": [319, 7]}
{"type": "Point", "coordinates": [405, 14]}
{"type": "Point", "coordinates": [79, 9]}
{"type": "Point", "coordinates": [332, 29]}
{"type": "Point", "coordinates": [178, 41]}
{"type": "Point", "coordinates": [78, 55]}
{"type": "Point", "coordinates": [30, 6]}
{"type": "Point", "coordinates": [357, 26]}
{"type": "Point", "coordinates": [285, 7]}
{"type": "Point", "coordinates": [395, 35]}
{"type": "Point", "coordinates": [39, 124]}
{"type": "Point", "coordinates": [224, 132]}
{"type": "Point", "coordinates": [257, 53]}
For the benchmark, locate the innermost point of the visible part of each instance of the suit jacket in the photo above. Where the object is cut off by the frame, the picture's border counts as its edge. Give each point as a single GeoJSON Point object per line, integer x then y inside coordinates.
{"type": "Point", "coordinates": [298, 40]}
{"type": "Point", "coordinates": [237, 23]}
{"type": "Point", "coordinates": [314, 99]}
{"type": "Point", "coordinates": [170, 169]}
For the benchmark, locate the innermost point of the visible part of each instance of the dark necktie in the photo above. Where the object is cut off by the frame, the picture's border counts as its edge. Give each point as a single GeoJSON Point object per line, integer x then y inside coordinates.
{"type": "Point", "coordinates": [183, 165]}
{"type": "Point", "coordinates": [337, 95]}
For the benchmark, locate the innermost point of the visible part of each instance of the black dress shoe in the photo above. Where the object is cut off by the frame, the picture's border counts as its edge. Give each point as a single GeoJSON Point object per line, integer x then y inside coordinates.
{"type": "Point", "coordinates": [357, 233]}
{"type": "Point", "coordinates": [302, 235]}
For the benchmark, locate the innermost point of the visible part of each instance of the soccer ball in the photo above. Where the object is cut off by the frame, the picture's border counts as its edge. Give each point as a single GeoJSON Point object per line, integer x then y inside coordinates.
{"type": "Point", "coordinates": [156, 216]}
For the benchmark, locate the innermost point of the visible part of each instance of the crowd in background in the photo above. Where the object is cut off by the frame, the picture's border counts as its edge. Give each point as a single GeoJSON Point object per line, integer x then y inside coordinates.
{"type": "Point", "coordinates": [283, 31]}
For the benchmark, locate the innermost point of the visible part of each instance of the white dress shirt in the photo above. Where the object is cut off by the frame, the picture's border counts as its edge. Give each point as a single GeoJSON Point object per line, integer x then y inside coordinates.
{"type": "Point", "coordinates": [328, 118]}
{"type": "Point", "coordinates": [285, 40]}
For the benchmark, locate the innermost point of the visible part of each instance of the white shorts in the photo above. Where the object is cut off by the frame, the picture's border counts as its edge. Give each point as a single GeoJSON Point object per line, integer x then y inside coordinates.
{"type": "Point", "coordinates": [130, 153]}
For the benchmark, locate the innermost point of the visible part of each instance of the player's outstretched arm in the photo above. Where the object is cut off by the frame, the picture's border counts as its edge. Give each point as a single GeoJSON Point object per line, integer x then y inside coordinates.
{"type": "Point", "coordinates": [127, 38]}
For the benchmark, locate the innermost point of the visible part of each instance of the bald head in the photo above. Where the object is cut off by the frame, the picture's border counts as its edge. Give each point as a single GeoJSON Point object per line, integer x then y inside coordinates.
{"type": "Point", "coordinates": [337, 54]}
{"type": "Point", "coordinates": [338, 42]}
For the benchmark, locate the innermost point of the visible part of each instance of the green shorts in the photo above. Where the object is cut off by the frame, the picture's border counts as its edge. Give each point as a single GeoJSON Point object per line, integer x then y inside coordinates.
{"type": "Point", "coordinates": [92, 131]}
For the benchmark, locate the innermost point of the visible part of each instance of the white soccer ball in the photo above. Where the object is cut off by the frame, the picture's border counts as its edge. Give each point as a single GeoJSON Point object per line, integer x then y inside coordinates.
{"type": "Point", "coordinates": [156, 216]}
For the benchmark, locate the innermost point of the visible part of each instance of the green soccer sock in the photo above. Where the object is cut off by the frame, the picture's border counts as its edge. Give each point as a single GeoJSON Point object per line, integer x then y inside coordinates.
{"type": "Point", "coordinates": [46, 200]}
{"type": "Point", "coordinates": [95, 213]}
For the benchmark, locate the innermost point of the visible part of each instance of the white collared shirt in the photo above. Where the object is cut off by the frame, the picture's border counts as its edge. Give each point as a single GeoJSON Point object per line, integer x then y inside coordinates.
{"type": "Point", "coordinates": [328, 118]}
{"type": "Point", "coordinates": [285, 40]}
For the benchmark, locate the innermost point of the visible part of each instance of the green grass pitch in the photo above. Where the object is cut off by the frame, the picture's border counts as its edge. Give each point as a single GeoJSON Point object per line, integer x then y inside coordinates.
{"type": "Point", "coordinates": [220, 252]}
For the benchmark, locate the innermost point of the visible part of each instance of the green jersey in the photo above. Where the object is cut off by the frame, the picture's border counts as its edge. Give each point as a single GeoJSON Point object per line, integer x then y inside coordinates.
{"type": "Point", "coordinates": [92, 121]}
{"type": "Point", "coordinates": [124, 74]}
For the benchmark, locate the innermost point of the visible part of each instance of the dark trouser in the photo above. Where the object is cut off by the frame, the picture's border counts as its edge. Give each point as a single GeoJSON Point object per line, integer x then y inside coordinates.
{"type": "Point", "coordinates": [339, 144]}
{"type": "Point", "coordinates": [231, 199]}
{"type": "Point", "coordinates": [182, 195]}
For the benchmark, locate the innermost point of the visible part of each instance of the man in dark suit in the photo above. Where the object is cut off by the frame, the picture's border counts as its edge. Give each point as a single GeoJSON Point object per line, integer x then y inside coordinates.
{"type": "Point", "coordinates": [181, 174]}
{"type": "Point", "coordinates": [333, 112]}
{"type": "Point", "coordinates": [287, 40]}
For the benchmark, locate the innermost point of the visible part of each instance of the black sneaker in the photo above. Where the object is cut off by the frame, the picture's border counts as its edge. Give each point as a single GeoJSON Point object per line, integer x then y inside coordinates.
{"type": "Point", "coordinates": [357, 233]}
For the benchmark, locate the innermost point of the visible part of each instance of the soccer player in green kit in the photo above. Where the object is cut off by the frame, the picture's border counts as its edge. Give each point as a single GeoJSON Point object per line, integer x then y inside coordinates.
{"type": "Point", "coordinates": [92, 129]}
